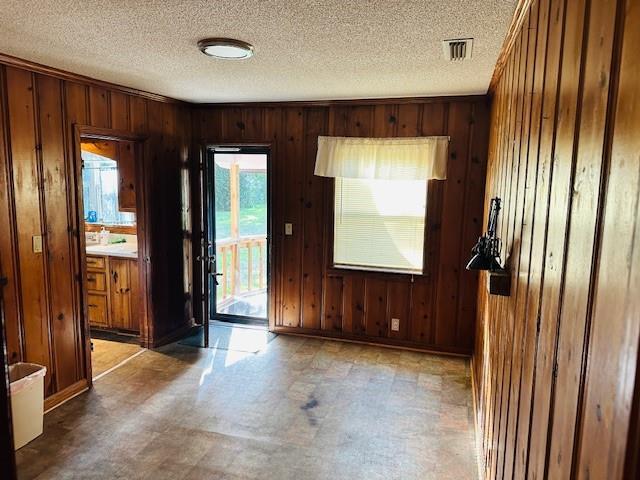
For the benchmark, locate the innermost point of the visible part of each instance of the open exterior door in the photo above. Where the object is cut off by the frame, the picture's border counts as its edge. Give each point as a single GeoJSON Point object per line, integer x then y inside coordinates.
{"type": "Point", "coordinates": [201, 270]}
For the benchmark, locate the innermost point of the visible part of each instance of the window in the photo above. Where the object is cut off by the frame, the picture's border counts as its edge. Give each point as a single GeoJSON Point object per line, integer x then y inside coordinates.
{"type": "Point", "coordinates": [381, 198]}
{"type": "Point", "coordinates": [380, 224]}
{"type": "Point", "coordinates": [100, 191]}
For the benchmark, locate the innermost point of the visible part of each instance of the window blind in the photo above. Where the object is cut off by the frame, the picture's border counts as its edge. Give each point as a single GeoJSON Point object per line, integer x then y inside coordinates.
{"type": "Point", "coordinates": [379, 224]}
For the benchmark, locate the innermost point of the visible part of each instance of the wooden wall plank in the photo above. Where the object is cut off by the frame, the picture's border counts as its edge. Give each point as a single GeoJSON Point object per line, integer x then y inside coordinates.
{"type": "Point", "coordinates": [353, 305]}
{"type": "Point", "coordinates": [59, 239]}
{"type": "Point", "coordinates": [99, 110]}
{"type": "Point", "coordinates": [26, 188]}
{"type": "Point", "coordinates": [316, 123]}
{"type": "Point", "coordinates": [119, 114]}
{"type": "Point", "coordinates": [375, 308]}
{"type": "Point", "coordinates": [8, 247]}
{"type": "Point", "coordinates": [398, 304]}
{"type": "Point", "coordinates": [520, 279]}
{"type": "Point", "coordinates": [450, 262]}
{"type": "Point", "coordinates": [293, 124]}
{"type": "Point", "coordinates": [333, 305]}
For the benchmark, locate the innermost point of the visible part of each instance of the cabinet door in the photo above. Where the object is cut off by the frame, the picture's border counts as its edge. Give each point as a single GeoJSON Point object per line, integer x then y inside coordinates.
{"type": "Point", "coordinates": [127, 177]}
{"type": "Point", "coordinates": [97, 308]}
{"type": "Point", "coordinates": [134, 295]}
{"type": "Point", "coordinates": [120, 293]}
{"type": "Point", "coordinates": [96, 281]}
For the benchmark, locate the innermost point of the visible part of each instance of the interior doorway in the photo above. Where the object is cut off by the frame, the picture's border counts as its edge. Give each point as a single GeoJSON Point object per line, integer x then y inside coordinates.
{"type": "Point", "coordinates": [238, 234]}
{"type": "Point", "coordinates": [112, 217]}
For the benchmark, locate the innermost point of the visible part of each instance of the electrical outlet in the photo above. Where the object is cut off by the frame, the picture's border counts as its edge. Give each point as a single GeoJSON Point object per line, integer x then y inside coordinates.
{"type": "Point", "coordinates": [288, 228]}
{"type": "Point", "coordinates": [395, 324]}
{"type": "Point", "coordinates": [37, 243]}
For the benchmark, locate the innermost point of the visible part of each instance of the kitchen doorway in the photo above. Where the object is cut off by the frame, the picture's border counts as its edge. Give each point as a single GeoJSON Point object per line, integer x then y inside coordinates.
{"type": "Point", "coordinates": [111, 216]}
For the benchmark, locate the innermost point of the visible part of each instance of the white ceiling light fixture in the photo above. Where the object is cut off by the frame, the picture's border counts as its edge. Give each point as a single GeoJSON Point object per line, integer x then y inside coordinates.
{"type": "Point", "coordinates": [227, 48]}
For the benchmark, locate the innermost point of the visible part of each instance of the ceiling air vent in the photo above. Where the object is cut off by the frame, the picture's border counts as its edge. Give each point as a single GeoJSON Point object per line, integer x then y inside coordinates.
{"type": "Point", "coordinates": [457, 49]}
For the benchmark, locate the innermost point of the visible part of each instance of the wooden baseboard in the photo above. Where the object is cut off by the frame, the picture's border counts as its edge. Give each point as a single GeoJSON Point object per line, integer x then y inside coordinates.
{"type": "Point", "coordinates": [375, 341]}
{"type": "Point", "coordinates": [476, 424]}
{"type": "Point", "coordinates": [65, 394]}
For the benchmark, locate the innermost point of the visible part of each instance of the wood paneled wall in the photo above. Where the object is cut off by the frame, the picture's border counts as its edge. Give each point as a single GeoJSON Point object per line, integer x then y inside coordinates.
{"type": "Point", "coordinates": [436, 311]}
{"type": "Point", "coordinates": [555, 364]}
{"type": "Point", "coordinates": [37, 197]}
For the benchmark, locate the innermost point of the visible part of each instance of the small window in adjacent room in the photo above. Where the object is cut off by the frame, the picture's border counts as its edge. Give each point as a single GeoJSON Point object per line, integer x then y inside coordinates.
{"type": "Point", "coordinates": [100, 191]}
{"type": "Point", "coordinates": [379, 224]}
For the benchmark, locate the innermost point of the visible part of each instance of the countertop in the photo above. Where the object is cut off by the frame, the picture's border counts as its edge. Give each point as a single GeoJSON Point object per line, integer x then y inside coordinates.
{"type": "Point", "coordinates": [122, 250]}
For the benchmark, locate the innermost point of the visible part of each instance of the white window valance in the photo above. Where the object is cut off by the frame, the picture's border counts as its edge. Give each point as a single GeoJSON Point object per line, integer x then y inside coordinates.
{"type": "Point", "coordinates": [416, 158]}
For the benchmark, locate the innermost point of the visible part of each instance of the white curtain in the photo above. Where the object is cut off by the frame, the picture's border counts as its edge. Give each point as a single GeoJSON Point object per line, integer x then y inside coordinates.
{"type": "Point", "coordinates": [416, 158]}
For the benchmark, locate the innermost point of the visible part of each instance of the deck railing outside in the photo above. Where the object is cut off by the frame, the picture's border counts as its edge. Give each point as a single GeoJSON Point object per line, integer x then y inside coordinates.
{"type": "Point", "coordinates": [243, 262]}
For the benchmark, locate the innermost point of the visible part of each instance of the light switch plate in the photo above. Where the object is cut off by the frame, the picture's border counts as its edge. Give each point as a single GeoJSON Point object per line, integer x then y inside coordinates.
{"type": "Point", "coordinates": [288, 228]}
{"type": "Point", "coordinates": [37, 243]}
{"type": "Point", "coordinates": [395, 324]}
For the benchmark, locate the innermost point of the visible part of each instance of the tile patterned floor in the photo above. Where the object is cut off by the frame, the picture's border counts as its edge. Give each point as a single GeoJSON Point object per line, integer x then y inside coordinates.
{"type": "Point", "coordinates": [301, 409]}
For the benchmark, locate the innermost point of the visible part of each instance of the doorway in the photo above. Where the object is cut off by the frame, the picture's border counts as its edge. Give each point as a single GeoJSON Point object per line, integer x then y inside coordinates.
{"type": "Point", "coordinates": [112, 242]}
{"type": "Point", "coordinates": [238, 234]}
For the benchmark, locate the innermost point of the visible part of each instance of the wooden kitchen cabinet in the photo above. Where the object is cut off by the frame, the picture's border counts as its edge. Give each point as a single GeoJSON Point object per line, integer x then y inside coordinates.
{"type": "Point", "coordinates": [123, 316]}
{"type": "Point", "coordinates": [126, 177]}
{"type": "Point", "coordinates": [113, 293]}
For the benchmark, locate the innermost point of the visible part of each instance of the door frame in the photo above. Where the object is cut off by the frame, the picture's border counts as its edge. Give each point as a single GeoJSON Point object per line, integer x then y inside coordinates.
{"type": "Point", "coordinates": [7, 452]}
{"type": "Point", "coordinates": [82, 132]}
{"type": "Point", "coordinates": [208, 153]}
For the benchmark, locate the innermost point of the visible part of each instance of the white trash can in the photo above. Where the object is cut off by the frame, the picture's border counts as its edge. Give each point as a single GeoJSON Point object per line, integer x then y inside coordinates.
{"type": "Point", "coordinates": [27, 401]}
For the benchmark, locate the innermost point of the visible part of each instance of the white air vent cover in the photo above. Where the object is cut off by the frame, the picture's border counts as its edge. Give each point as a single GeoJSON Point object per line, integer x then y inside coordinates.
{"type": "Point", "coordinates": [457, 49]}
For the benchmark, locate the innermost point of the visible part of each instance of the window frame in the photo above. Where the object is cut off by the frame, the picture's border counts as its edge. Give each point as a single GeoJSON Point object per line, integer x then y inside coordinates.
{"type": "Point", "coordinates": [430, 246]}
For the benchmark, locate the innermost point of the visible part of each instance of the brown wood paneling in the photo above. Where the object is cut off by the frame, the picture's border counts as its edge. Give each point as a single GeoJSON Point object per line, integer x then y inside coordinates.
{"type": "Point", "coordinates": [305, 287]}
{"type": "Point", "coordinates": [555, 364]}
{"type": "Point", "coordinates": [614, 332]}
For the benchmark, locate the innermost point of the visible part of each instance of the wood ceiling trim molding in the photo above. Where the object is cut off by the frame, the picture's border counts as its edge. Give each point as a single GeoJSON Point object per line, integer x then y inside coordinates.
{"type": "Point", "coordinates": [351, 102]}
{"type": "Point", "coordinates": [519, 16]}
{"type": "Point", "coordinates": [12, 61]}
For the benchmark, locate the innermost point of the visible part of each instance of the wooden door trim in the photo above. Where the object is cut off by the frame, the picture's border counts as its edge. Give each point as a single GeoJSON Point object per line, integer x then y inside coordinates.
{"type": "Point", "coordinates": [146, 320]}
{"type": "Point", "coordinates": [7, 455]}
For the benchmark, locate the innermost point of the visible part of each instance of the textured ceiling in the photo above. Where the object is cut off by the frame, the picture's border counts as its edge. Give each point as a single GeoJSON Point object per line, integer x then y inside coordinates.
{"type": "Point", "coordinates": [304, 50]}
